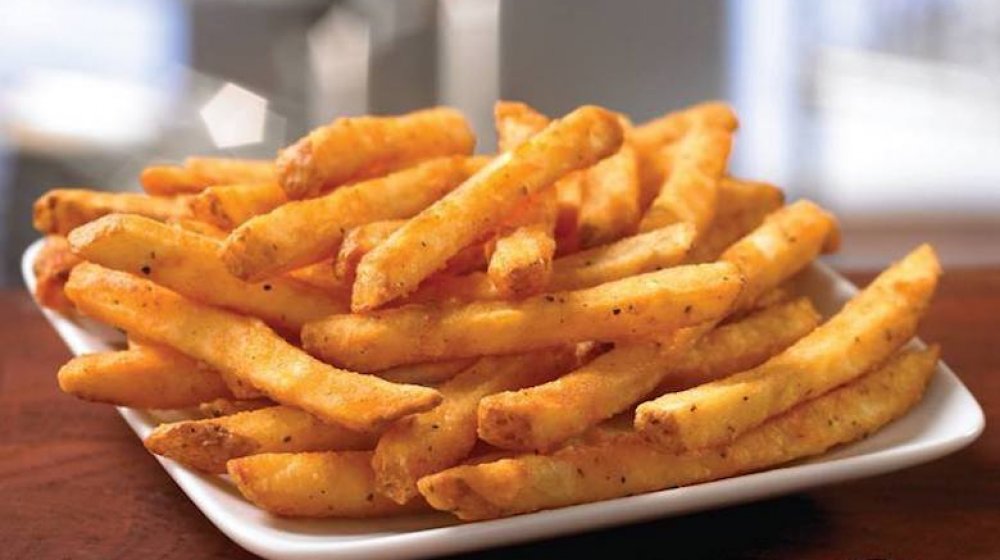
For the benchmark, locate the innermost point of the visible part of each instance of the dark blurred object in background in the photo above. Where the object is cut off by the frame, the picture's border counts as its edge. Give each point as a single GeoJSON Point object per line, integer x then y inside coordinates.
{"type": "Point", "coordinates": [886, 111]}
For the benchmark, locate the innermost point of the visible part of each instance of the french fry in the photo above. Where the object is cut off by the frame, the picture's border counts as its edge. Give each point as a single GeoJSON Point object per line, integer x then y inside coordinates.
{"type": "Point", "coordinates": [357, 148]}
{"type": "Point", "coordinates": [197, 173]}
{"type": "Point", "coordinates": [428, 374]}
{"type": "Point", "coordinates": [650, 139]}
{"type": "Point", "coordinates": [784, 244]}
{"type": "Point", "coordinates": [612, 465]}
{"type": "Point", "coordinates": [217, 408]}
{"type": "Point", "coordinates": [690, 192]}
{"type": "Point", "coordinates": [244, 347]}
{"type": "Point", "coordinates": [610, 206]}
{"type": "Point", "coordinates": [645, 252]}
{"type": "Point", "coordinates": [197, 226]}
{"type": "Point", "coordinates": [521, 263]}
{"type": "Point", "coordinates": [305, 231]}
{"type": "Point", "coordinates": [227, 206]}
{"type": "Point", "coordinates": [861, 336]}
{"type": "Point", "coordinates": [569, 200]}
{"type": "Point", "coordinates": [142, 377]}
{"type": "Point", "coordinates": [625, 309]}
{"type": "Point", "coordinates": [544, 416]}
{"type": "Point", "coordinates": [188, 263]}
{"type": "Point", "coordinates": [208, 444]}
{"type": "Point", "coordinates": [51, 268]}
{"type": "Point", "coordinates": [327, 484]}
{"type": "Point", "coordinates": [323, 276]}
{"type": "Point", "coordinates": [742, 206]}
{"type": "Point", "coordinates": [425, 443]}
{"type": "Point", "coordinates": [358, 242]}
{"type": "Point", "coordinates": [521, 260]}
{"type": "Point", "coordinates": [421, 247]}
{"type": "Point", "coordinates": [516, 123]}
{"type": "Point", "coordinates": [739, 346]}
{"type": "Point", "coordinates": [59, 211]}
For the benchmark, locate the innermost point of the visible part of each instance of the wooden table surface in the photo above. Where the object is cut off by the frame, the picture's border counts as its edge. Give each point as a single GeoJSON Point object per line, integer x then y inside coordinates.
{"type": "Point", "coordinates": [76, 483]}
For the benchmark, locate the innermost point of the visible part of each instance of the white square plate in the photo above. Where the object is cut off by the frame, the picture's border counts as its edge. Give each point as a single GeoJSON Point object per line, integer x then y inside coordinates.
{"type": "Point", "coordinates": [947, 419]}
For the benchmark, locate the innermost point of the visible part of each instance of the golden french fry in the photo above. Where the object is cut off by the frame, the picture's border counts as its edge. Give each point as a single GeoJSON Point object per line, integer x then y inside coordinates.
{"type": "Point", "coordinates": [425, 443]}
{"type": "Point", "coordinates": [322, 275]}
{"type": "Point", "coordinates": [422, 246]}
{"type": "Point", "coordinates": [742, 206]}
{"type": "Point", "coordinates": [305, 231]}
{"type": "Point", "coordinates": [356, 148]}
{"type": "Point", "coordinates": [217, 408]}
{"type": "Point", "coordinates": [650, 139]}
{"type": "Point", "coordinates": [244, 347]}
{"type": "Point", "coordinates": [625, 309]}
{"type": "Point", "coordinates": [197, 173]}
{"type": "Point", "coordinates": [208, 444]}
{"type": "Point", "coordinates": [861, 336]}
{"type": "Point", "coordinates": [516, 122]}
{"type": "Point", "coordinates": [521, 260]}
{"type": "Point", "coordinates": [544, 416]}
{"type": "Point", "coordinates": [690, 192]}
{"type": "Point", "coordinates": [612, 465]}
{"type": "Point", "coordinates": [428, 373]}
{"type": "Point", "coordinates": [51, 269]}
{"type": "Point", "coordinates": [569, 200]}
{"type": "Point", "coordinates": [521, 263]}
{"type": "Point", "coordinates": [739, 346]}
{"type": "Point", "coordinates": [785, 243]}
{"type": "Point", "coordinates": [227, 206]}
{"type": "Point", "coordinates": [358, 242]}
{"type": "Point", "coordinates": [645, 252]}
{"type": "Point", "coordinates": [59, 211]}
{"type": "Point", "coordinates": [142, 377]}
{"type": "Point", "coordinates": [197, 226]}
{"type": "Point", "coordinates": [188, 263]}
{"type": "Point", "coordinates": [328, 484]}
{"type": "Point", "coordinates": [610, 206]}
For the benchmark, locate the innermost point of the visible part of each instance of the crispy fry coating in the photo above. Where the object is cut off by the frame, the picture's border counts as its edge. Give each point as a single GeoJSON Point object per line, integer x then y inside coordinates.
{"type": "Point", "coordinates": [141, 377]}
{"type": "Point", "coordinates": [421, 247]}
{"type": "Point", "coordinates": [742, 206]}
{"type": "Point", "coordinates": [217, 408]}
{"type": "Point", "coordinates": [654, 140]}
{"type": "Point", "coordinates": [244, 347]}
{"type": "Point", "coordinates": [358, 242]}
{"type": "Point", "coordinates": [639, 254]}
{"type": "Point", "coordinates": [544, 416]}
{"type": "Point", "coordinates": [51, 268]}
{"type": "Point", "coordinates": [425, 443]}
{"type": "Point", "coordinates": [305, 231]}
{"type": "Point", "coordinates": [521, 260]}
{"type": "Point", "coordinates": [227, 206]}
{"type": "Point", "coordinates": [610, 206]}
{"type": "Point", "coordinates": [861, 336]}
{"type": "Point", "coordinates": [690, 192]}
{"type": "Point", "coordinates": [188, 263]}
{"type": "Point", "coordinates": [739, 346]}
{"type": "Point", "coordinates": [428, 373]}
{"type": "Point", "coordinates": [625, 309]}
{"type": "Point", "coordinates": [357, 148]}
{"type": "Point", "coordinates": [197, 173]}
{"type": "Point", "coordinates": [59, 211]}
{"type": "Point", "coordinates": [613, 465]}
{"type": "Point", "coordinates": [328, 484]}
{"type": "Point", "coordinates": [208, 444]}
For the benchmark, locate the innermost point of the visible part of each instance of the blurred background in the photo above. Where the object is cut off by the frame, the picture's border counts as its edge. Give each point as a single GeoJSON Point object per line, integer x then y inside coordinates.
{"type": "Point", "coordinates": [885, 111]}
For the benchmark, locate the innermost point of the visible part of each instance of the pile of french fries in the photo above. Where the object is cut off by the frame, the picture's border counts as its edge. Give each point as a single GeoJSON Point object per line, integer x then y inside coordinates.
{"type": "Point", "coordinates": [380, 322]}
